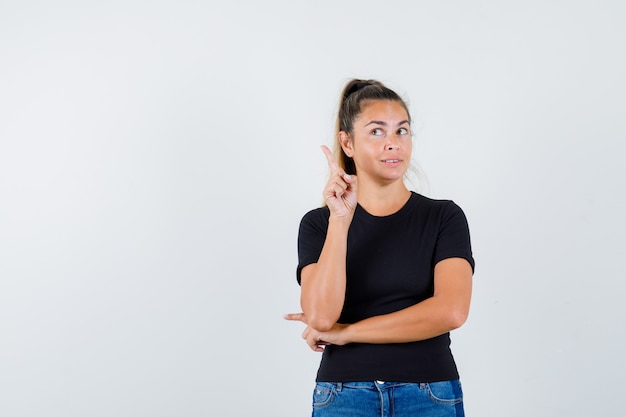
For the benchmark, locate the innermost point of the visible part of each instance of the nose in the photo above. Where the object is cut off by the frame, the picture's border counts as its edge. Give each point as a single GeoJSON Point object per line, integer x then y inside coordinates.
{"type": "Point", "coordinates": [392, 143]}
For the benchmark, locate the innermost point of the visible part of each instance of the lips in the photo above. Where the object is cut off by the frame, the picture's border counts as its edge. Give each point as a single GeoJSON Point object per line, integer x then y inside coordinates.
{"type": "Point", "coordinates": [391, 161]}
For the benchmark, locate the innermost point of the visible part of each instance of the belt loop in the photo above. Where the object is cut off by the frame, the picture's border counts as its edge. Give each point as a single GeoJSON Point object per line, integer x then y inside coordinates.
{"type": "Point", "coordinates": [338, 386]}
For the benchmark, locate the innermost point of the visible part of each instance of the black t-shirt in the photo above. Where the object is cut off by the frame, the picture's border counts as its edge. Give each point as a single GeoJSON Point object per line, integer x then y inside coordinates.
{"type": "Point", "coordinates": [390, 266]}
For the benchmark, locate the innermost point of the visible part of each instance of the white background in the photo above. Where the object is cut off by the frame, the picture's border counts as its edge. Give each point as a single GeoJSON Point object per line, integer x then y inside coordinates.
{"type": "Point", "coordinates": [156, 158]}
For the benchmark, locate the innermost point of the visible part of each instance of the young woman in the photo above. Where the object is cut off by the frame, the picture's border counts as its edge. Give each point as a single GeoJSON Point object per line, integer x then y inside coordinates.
{"type": "Point", "coordinates": [385, 273]}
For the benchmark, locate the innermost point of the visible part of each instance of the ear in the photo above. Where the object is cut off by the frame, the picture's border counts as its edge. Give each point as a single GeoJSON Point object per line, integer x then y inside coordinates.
{"type": "Point", "coordinates": [346, 143]}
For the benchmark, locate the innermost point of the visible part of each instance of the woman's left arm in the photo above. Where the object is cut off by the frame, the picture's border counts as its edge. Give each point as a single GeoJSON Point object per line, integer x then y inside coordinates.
{"type": "Point", "coordinates": [446, 310]}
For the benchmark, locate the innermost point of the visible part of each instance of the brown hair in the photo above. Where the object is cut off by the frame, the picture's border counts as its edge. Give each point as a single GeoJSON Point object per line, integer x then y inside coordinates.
{"type": "Point", "coordinates": [354, 94]}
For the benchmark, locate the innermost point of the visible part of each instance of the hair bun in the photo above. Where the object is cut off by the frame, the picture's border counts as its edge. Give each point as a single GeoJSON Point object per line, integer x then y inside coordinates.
{"type": "Point", "coordinates": [356, 87]}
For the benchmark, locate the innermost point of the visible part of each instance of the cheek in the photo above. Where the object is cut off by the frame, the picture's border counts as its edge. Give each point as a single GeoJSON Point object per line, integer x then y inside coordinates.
{"type": "Point", "coordinates": [370, 153]}
{"type": "Point", "coordinates": [408, 145]}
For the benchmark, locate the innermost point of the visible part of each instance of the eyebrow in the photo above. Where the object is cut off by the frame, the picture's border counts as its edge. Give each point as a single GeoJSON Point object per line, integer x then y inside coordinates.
{"type": "Point", "coordinates": [380, 122]}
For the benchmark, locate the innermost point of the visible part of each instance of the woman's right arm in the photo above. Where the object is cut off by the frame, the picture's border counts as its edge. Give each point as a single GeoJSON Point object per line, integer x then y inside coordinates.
{"type": "Point", "coordinates": [323, 284]}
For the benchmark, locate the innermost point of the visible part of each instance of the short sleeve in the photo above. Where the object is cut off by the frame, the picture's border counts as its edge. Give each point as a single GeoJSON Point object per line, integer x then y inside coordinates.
{"type": "Point", "coordinates": [311, 237]}
{"type": "Point", "coordinates": [453, 239]}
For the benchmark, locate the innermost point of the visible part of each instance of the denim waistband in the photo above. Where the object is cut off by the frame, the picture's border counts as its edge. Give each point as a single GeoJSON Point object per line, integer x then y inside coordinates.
{"type": "Point", "coordinates": [375, 385]}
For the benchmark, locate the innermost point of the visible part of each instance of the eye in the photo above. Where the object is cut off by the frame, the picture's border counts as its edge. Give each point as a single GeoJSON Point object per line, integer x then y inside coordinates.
{"type": "Point", "coordinates": [403, 131]}
{"type": "Point", "coordinates": [377, 132]}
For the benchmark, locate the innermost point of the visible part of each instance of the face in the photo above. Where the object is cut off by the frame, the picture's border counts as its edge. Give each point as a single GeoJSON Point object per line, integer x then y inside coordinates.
{"type": "Point", "coordinates": [381, 142]}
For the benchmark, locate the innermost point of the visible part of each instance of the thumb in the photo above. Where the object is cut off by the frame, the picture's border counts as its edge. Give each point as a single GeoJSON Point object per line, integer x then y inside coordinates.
{"type": "Point", "coordinates": [352, 180]}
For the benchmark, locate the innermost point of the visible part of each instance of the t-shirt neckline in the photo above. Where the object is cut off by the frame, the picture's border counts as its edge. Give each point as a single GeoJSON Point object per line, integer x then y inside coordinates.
{"type": "Point", "coordinates": [365, 215]}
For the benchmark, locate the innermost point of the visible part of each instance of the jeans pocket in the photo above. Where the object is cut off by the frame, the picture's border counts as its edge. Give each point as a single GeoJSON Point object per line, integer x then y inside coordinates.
{"type": "Point", "coordinates": [445, 392]}
{"type": "Point", "coordinates": [323, 395]}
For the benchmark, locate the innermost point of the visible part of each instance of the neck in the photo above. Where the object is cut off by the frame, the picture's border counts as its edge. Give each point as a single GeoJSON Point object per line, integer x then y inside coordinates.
{"type": "Point", "coordinates": [383, 200]}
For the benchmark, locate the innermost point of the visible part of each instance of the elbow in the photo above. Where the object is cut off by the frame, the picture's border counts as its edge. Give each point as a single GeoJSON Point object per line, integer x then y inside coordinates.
{"type": "Point", "coordinates": [322, 324]}
{"type": "Point", "coordinates": [321, 318]}
{"type": "Point", "coordinates": [457, 318]}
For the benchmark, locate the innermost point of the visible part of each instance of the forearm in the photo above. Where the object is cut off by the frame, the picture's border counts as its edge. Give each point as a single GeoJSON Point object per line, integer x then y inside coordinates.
{"type": "Point", "coordinates": [324, 283]}
{"type": "Point", "coordinates": [428, 319]}
{"type": "Point", "coordinates": [446, 310]}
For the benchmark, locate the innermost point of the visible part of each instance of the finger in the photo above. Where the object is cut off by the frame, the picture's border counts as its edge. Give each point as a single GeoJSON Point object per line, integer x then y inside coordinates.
{"type": "Point", "coordinates": [311, 336]}
{"type": "Point", "coordinates": [315, 344]}
{"type": "Point", "coordinates": [338, 179]}
{"type": "Point", "coordinates": [316, 348]}
{"type": "Point", "coordinates": [352, 182]}
{"type": "Point", "coordinates": [319, 345]}
{"type": "Point", "coordinates": [336, 189]}
{"type": "Point", "coordinates": [343, 178]}
{"type": "Point", "coordinates": [295, 317]}
{"type": "Point", "coordinates": [332, 163]}
{"type": "Point", "coordinates": [350, 179]}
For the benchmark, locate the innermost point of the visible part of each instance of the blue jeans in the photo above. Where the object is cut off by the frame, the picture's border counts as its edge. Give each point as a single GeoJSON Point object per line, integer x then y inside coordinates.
{"type": "Point", "coordinates": [388, 399]}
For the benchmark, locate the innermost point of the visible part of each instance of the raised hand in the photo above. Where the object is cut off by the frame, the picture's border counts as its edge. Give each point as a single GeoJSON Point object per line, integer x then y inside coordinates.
{"type": "Point", "coordinates": [340, 191]}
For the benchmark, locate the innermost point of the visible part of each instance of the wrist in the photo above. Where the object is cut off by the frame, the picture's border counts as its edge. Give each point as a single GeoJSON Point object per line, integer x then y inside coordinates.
{"type": "Point", "coordinates": [340, 221]}
{"type": "Point", "coordinates": [347, 334]}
